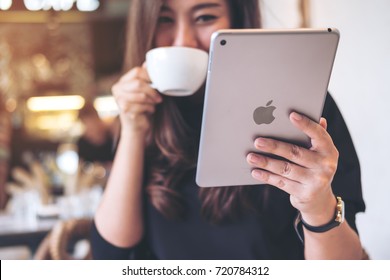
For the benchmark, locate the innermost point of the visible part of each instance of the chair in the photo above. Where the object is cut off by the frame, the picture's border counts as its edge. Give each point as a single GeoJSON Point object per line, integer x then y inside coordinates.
{"type": "Point", "coordinates": [60, 242]}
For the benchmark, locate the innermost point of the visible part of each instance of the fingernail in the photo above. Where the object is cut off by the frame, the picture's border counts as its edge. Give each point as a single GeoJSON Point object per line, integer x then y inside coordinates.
{"type": "Point", "coordinates": [260, 142]}
{"type": "Point", "coordinates": [252, 158]}
{"type": "Point", "coordinates": [257, 174]}
{"type": "Point", "coordinates": [296, 116]}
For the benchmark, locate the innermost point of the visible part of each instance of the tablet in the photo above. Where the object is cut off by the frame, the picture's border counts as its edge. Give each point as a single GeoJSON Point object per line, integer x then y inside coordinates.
{"type": "Point", "coordinates": [255, 79]}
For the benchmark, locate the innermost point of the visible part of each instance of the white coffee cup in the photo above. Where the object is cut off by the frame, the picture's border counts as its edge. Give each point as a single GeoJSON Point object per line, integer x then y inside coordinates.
{"type": "Point", "coordinates": [177, 71]}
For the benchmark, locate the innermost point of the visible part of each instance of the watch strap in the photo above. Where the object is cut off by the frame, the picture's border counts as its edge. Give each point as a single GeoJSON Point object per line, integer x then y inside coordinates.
{"type": "Point", "coordinates": [334, 222]}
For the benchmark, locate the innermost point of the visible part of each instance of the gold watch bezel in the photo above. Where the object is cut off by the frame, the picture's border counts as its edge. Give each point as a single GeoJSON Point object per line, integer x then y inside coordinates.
{"type": "Point", "coordinates": [340, 210]}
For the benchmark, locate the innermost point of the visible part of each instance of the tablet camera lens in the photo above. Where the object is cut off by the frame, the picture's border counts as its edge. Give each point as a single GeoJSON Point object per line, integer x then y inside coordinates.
{"type": "Point", "coordinates": [223, 42]}
{"type": "Point", "coordinates": [329, 29]}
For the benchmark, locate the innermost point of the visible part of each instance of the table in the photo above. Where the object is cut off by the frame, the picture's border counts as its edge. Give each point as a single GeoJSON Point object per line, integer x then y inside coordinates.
{"type": "Point", "coordinates": [14, 232]}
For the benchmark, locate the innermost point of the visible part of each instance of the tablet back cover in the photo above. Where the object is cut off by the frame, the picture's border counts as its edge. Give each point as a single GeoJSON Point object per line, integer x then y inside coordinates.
{"type": "Point", "coordinates": [256, 78]}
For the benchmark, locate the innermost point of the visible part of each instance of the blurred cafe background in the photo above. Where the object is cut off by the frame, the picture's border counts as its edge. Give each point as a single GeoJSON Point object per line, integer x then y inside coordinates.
{"type": "Point", "coordinates": [58, 61]}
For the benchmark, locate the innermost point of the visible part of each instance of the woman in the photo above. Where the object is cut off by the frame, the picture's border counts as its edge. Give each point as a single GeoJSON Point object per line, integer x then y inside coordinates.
{"type": "Point", "coordinates": [152, 207]}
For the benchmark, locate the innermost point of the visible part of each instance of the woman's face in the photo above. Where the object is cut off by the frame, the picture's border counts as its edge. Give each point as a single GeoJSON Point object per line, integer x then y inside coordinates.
{"type": "Point", "coordinates": [190, 23]}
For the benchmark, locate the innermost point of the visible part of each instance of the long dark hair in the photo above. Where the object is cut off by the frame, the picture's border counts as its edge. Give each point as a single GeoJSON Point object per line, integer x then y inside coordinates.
{"type": "Point", "coordinates": [171, 150]}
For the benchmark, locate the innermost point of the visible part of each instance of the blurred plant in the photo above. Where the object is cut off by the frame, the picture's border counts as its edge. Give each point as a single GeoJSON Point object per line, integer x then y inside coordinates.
{"type": "Point", "coordinates": [35, 180]}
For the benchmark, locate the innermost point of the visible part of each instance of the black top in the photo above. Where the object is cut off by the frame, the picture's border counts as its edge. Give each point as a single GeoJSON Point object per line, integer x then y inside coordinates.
{"type": "Point", "coordinates": [267, 235]}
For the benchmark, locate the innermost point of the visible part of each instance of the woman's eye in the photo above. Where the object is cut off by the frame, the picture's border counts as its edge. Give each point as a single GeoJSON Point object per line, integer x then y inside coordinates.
{"type": "Point", "coordinates": [206, 18]}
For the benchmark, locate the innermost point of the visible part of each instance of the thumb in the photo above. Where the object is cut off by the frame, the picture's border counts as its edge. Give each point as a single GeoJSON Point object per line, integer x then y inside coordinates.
{"type": "Point", "coordinates": [323, 123]}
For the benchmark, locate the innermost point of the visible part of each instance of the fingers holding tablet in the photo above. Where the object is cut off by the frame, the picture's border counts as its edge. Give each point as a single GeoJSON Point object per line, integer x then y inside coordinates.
{"type": "Point", "coordinates": [302, 172]}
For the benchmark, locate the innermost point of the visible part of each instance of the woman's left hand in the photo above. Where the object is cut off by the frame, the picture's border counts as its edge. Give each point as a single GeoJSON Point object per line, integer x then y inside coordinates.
{"type": "Point", "coordinates": [306, 174]}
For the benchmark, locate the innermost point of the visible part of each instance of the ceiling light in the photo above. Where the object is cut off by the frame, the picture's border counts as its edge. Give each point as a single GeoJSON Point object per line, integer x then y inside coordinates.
{"type": "Point", "coordinates": [106, 106]}
{"type": "Point", "coordinates": [55, 103]}
{"type": "Point", "coordinates": [5, 4]}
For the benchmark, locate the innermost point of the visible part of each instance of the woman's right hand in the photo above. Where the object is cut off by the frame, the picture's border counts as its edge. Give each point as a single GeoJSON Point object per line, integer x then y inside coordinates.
{"type": "Point", "coordinates": [136, 100]}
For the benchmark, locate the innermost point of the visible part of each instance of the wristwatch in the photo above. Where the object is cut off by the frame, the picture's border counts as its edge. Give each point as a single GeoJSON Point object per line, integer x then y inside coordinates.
{"type": "Point", "coordinates": [336, 220]}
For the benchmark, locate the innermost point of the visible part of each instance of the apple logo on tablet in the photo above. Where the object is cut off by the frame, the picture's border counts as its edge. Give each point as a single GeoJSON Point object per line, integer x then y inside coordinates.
{"type": "Point", "coordinates": [264, 114]}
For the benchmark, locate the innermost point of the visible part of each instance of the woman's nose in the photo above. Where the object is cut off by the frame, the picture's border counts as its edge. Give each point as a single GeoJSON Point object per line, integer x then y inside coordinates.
{"type": "Point", "coordinates": [185, 36]}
